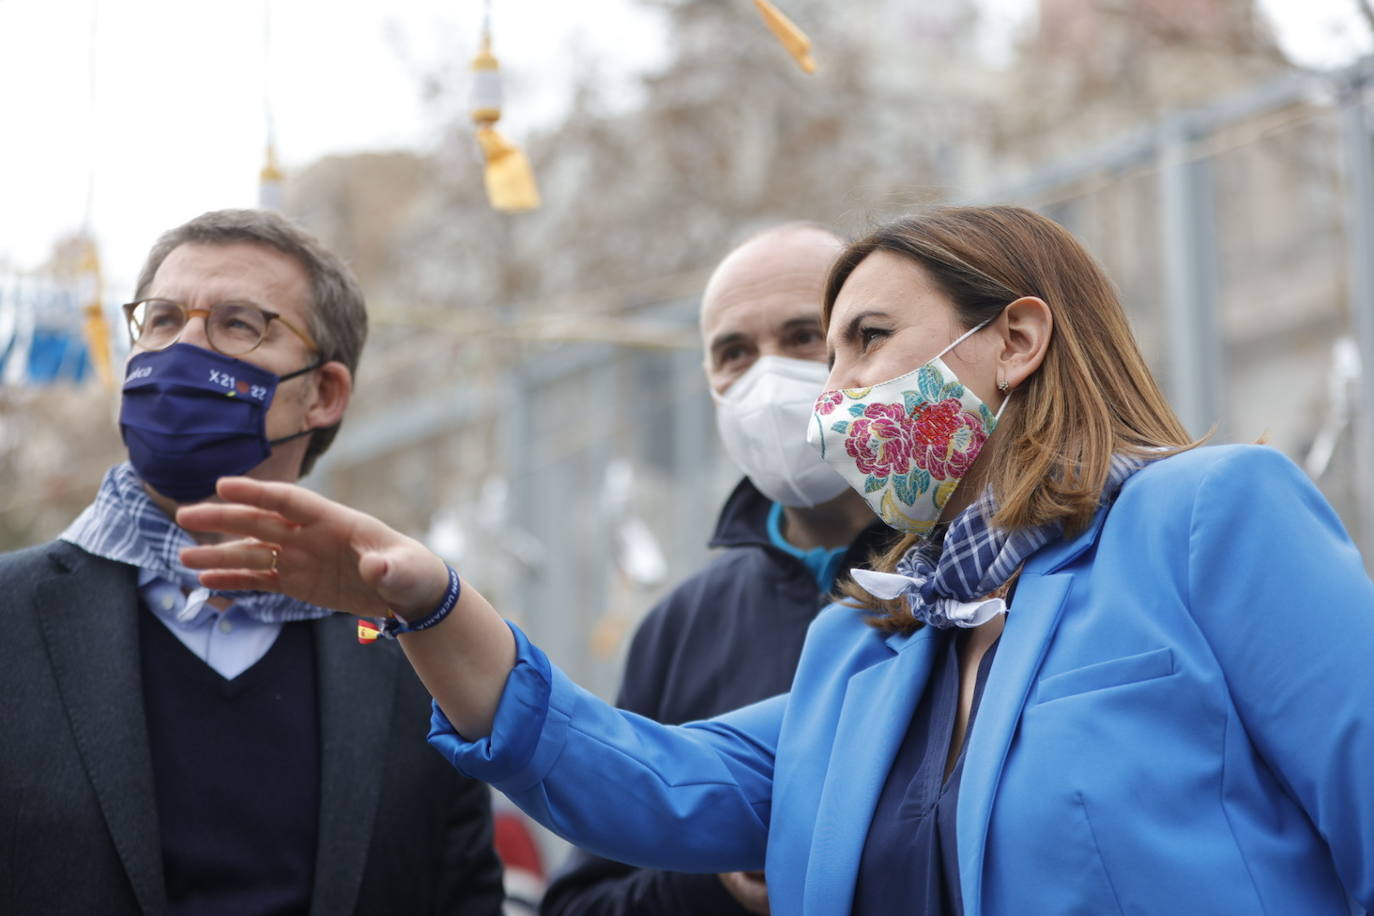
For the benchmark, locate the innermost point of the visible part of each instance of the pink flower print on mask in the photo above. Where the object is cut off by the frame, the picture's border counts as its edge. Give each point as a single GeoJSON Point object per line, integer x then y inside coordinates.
{"type": "Point", "coordinates": [879, 441]}
{"type": "Point", "coordinates": [945, 438]}
{"type": "Point", "coordinates": [828, 401]}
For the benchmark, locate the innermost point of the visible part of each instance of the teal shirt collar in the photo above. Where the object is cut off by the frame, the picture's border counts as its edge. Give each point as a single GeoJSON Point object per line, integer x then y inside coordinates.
{"type": "Point", "coordinates": [823, 563]}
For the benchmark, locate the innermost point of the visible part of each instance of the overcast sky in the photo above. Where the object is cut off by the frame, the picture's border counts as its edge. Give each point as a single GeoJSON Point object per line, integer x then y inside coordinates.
{"type": "Point", "coordinates": [175, 123]}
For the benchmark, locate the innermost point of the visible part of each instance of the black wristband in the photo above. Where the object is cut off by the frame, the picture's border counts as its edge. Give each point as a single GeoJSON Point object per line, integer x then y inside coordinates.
{"type": "Point", "coordinates": [391, 626]}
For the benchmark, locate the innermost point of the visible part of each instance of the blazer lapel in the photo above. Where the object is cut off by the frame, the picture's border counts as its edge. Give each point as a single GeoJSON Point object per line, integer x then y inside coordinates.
{"type": "Point", "coordinates": [88, 614]}
{"type": "Point", "coordinates": [1031, 624]}
{"type": "Point", "coordinates": [356, 695]}
{"type": "Point", "coordinates": [878, 704]}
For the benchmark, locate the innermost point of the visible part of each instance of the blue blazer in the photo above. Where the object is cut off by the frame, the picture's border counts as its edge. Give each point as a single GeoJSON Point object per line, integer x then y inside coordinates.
{"type": "Point", "coordinates": [1179, 719]}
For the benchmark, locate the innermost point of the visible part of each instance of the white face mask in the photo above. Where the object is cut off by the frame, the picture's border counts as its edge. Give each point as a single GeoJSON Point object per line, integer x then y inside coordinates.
{"type": "Point", "coordinates": [762, 419]}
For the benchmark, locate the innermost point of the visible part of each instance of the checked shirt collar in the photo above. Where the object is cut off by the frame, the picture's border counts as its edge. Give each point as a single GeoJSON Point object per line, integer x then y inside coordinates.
{"type": "Point", "coordinates": [124, 524]}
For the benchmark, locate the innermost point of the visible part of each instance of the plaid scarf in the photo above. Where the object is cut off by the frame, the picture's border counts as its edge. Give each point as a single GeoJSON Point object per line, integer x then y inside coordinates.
{"type": "Point", "coordinates": [945, 580]}
{"type": "Point", "coordinates": [124, 525]}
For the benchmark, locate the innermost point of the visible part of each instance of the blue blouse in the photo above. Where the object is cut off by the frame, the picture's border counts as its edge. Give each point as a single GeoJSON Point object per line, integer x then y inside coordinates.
{"type": "Point", "coordinates": [910, 862]}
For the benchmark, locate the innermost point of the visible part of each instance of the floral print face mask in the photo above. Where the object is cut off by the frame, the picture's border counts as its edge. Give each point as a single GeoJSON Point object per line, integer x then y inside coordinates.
{"type": "Point", "coordinates": [905, 444]}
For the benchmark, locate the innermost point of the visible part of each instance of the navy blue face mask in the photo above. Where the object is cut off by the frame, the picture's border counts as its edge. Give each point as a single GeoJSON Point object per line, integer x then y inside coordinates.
{"type": "Point", "coordinates": [190, 416]}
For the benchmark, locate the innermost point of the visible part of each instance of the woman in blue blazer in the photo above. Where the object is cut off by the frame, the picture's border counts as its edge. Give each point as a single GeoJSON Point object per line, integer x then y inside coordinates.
{"type": "Point", "coordinates": [1105, 671]}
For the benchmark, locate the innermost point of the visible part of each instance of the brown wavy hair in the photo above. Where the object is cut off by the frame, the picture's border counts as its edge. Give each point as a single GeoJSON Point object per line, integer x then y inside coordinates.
{"type": "Point", "coordinates": [1092, 397]}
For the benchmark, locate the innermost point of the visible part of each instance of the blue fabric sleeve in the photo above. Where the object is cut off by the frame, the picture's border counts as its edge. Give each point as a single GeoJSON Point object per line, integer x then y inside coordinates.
{"type": "Point", "coordinates": [515, 731]}
{"type": "Point", "coordinates": [1282, 597]}
{"type": "Point", "coordinates": [691, 798]}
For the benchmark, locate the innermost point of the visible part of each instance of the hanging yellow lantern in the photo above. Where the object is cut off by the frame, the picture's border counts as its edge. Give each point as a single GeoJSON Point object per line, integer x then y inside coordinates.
{"type": "Point", "coordinates": [508, 176]}
{"type": "Point", "coordinates": [791, 37]}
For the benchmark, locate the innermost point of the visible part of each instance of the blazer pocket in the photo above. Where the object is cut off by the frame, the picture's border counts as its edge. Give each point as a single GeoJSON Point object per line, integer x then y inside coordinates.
{"type": "Point", "coordinates": [1117, 672]}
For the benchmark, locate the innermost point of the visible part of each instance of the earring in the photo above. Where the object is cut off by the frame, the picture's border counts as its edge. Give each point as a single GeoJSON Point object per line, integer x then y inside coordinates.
{"type": "Point", "coordinates": [1002, 384]}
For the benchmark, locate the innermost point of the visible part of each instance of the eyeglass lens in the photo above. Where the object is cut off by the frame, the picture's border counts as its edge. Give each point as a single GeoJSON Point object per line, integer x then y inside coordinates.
{"type": "Point", "coordinates": [231, 328]}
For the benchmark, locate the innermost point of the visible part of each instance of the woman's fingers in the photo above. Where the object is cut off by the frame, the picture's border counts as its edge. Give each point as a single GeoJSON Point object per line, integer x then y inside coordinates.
{"type": "Point", "coordinates": [252, 554]}
{"type": "Point", "coordinates": [243, 521]}
{"type": "Point", "coordinates": [244, 565]}
{"type": "Point", "coordinates": [287, 500]}
{"type": "Point", "coordinates": [239, 580]}
{"type": "Point", "coordinates": [297, 542]}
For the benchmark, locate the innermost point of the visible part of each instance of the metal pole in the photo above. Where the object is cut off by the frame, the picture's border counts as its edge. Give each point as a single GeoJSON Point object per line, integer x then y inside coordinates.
{"type": "Point", "coordinates": [1360, 235]}
{"type": "Point", "coordinates": [1188, 245]}
{"type": "Point", "coordinates": [693, 442]}
{"type": "Point", "coordinates": [517, 454]}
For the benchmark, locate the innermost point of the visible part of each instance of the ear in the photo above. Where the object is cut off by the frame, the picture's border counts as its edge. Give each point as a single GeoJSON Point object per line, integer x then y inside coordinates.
{"type": "Point", "coordinates": [333, 387]}
{"type": "Point", "coordinates": [1025, 326]}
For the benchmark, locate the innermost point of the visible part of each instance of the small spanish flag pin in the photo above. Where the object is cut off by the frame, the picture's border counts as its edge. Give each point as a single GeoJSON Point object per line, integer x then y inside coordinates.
{"type": "Point", "coordinates": [367, 632]}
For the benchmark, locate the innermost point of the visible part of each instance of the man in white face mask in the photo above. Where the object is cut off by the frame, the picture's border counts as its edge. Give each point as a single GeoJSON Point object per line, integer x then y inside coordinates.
{"type": "Point", "coordinates": [731, 634]}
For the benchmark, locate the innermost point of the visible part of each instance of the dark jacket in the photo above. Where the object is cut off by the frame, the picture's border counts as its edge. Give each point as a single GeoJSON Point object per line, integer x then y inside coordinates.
{"type": "Point", "coordinates": [729, 635]}
{"type": "Point", "coordinates": [399, 831]}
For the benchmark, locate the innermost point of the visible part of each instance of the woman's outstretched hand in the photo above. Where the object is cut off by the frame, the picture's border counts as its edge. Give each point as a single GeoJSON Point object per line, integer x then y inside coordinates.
{"type": "Point", "coordinates": [294, 541]}
{"type": "Point", "coordinates": [291, 540]}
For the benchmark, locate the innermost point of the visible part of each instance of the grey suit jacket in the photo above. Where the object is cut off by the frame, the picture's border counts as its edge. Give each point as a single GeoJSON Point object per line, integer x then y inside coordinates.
{"type": "Point", "coordinates": [400, 831]}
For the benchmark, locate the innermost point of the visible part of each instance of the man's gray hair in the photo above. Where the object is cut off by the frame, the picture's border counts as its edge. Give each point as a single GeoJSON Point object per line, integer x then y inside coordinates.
{"type": "Point", "coordinates": [338, 315]}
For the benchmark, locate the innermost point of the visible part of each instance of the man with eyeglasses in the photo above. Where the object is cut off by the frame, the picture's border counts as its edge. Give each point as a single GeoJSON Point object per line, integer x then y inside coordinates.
{"type": "Point", "coordinates": [170, 749]}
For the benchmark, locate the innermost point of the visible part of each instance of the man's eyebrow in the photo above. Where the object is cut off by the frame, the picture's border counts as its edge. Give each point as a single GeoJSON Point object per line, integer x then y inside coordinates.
{"type": "Point", "coordinates": [227, 300]}
{"type": "Point", "coordinates": [725, 340]}
{"type": "Point", "coordinates": [813, 321]}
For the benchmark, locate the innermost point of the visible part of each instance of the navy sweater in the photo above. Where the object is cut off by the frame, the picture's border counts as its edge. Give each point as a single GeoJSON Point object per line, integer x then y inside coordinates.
{"type": "Point", "coordinates": [236, 770]}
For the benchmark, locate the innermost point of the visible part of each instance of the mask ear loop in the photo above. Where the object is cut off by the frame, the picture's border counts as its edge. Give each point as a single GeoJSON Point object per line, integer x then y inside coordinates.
{"type": "Point", "coordinates": [319, 361]}
{"type": "Point", "coordinates": [1002, 383]}
{"type": "Point", "coordinates": [962, 337]}
{"type": "Point", "coordinates": [273, 443]}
